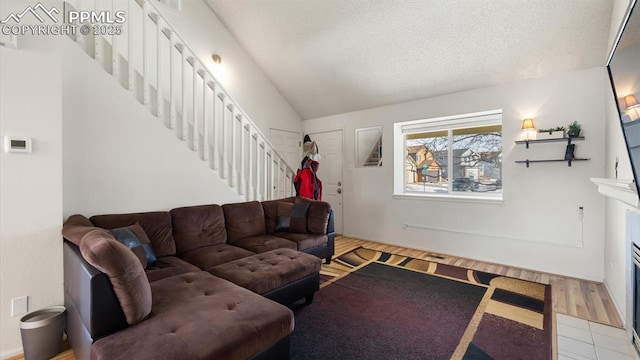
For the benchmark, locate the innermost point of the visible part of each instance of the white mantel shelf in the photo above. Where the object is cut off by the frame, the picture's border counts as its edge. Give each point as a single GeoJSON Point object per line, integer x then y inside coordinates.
{"type": "Point", "coordinates": [622, 190]}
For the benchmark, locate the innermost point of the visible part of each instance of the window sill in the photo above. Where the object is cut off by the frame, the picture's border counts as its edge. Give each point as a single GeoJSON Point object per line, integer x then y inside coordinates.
{"type": "Point", "coordinates": [492, 200]}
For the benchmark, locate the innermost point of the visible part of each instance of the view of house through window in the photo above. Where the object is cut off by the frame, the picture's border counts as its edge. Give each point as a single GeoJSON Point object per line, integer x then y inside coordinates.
{"type": "Point", "coordinates": [454, 155]}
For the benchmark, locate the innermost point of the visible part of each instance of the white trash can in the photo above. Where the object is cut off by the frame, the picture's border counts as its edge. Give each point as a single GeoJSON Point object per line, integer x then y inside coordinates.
{"type": "Point", "coordinates": [42, 331]}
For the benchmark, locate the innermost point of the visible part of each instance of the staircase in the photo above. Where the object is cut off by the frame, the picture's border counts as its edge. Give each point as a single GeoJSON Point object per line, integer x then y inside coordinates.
{"type": "Point", "coordinates": [375, 155]}
{"type": "Point", "coordinates": [150, 59]}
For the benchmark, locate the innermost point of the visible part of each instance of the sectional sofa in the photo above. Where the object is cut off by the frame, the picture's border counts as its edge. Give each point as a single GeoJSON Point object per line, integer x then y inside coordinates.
{"type": "Point", "coordinates": [198, 282]}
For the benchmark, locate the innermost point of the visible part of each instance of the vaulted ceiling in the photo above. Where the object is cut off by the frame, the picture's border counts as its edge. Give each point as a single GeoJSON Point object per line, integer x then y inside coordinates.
{"type": "Point", "coordinates": [335, 56]}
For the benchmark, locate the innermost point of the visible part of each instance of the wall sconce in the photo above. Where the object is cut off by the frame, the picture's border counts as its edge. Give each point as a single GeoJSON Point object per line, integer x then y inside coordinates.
{"type": "Point", "coordinates": [216, 59]}
{"type": "Point", "coordinates": [528, 126]}
{"type": "Point", "coordinates": [631, 103]}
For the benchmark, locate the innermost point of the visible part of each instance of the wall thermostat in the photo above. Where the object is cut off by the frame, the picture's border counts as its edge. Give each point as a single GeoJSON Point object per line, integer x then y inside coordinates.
{"type": "Point", "coordinates": [17, 144]}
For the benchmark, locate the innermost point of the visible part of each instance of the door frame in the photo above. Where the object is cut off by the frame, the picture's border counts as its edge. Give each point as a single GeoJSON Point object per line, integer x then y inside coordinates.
{"type": "Point", "coordinates": [344, 160]}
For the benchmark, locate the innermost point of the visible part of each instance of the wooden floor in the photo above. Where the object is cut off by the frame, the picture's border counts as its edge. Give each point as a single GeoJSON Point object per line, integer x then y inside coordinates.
{"type": "Point", "coordinates": [66, 354]}
{"type": "Point", "coordinates": [579, 298]}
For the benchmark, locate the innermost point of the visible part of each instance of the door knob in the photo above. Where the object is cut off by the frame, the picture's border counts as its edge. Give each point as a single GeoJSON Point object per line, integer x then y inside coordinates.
{"type": "Point", "coordinates": [339, 191]}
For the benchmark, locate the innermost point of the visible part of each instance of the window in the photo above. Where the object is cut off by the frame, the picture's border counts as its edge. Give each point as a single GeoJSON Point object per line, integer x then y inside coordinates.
{"type": "Point", "coordinates": [455, 156]}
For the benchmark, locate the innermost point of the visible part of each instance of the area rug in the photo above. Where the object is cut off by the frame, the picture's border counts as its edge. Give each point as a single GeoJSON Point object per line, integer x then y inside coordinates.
{"type": "Point", "coordinates": [377, 305]}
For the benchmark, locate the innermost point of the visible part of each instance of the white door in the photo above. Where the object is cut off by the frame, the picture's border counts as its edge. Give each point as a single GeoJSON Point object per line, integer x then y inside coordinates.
{"type": "Point", "coordinates": [330, 171]}
{"type": "Point", "coordinates": [288, 144]}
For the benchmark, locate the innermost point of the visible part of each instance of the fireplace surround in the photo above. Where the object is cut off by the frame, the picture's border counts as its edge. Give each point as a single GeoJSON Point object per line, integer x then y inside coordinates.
{"type": "Point", "coordinates": [622, 251]}
{"type": "Point", "coordinates": [635, 258]}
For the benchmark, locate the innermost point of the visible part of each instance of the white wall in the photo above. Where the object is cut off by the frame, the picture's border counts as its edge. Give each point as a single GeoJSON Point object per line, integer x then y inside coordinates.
{"type": "Point", "coordinates": [240, 76]}
{"type": "Point", "coordinates": [537, 226]}
{"type": "Point", "coordinates": [30, 188]}
{"type": "Point", "coordinates": [120, 158]}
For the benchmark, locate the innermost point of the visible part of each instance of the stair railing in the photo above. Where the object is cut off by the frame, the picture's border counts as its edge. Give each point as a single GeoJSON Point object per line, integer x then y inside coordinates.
{"type": "Point", "coordinates": [178, 88]}
{"type": "Point", "coordinates": [375, 155]}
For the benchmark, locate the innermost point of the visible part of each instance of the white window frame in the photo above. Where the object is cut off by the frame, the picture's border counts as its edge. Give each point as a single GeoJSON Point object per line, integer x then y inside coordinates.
{"type": "Point", "coordinates": [400, 129]}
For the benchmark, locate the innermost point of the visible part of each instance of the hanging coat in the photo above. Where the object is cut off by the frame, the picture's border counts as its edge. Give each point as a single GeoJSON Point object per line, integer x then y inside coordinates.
{"type": "Point", "coordinates": [306, 181]}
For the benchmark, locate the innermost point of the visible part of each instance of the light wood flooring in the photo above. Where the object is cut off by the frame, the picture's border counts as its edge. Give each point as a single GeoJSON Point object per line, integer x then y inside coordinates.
{"type": "Point", "coordinates": [578, 298]}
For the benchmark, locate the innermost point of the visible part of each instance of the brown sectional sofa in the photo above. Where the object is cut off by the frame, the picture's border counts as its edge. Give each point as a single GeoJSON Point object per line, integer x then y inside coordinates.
{"type": "Point", "coordinates": [203, 282]}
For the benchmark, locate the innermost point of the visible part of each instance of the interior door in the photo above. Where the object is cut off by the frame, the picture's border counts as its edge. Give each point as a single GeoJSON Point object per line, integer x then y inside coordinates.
{"type": "Point", "coordinates": [330, 171]}
{"type": "Point", "coordinates": [288, 144]}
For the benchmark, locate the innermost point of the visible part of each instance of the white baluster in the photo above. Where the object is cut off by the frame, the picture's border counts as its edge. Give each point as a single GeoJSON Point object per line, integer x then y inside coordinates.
{"type": "Point", "coordinates": [205, 120]}
{"type": "Point", "coordinates": [115, 64]}
{"type": "Point", "coordinates": [287, 180]}
{"type": "Point", "coordinates": [276, 190]}
{"type": "Point", "coordinates": [145, 52]}
{"type": "Point", "coordinates": [98, 51]}
{"type": "Point", "coordinates": [271, 176]}
{"type": "Point", "coordinates": [234, 152]}
{"type": "Point", "coordinates": [194, 91]}
{"type": "Point", "coordinates": [131, 21]}
{"type": "Point", "coordinates": [159, 84]}
{"type": "Point", "coordinates": [251, 192]}
{"type": "Point", "coordinates": [258, 168]}
{"type": "Point", "coordinates": [215, 126]}
{"type": "Point", "coordinates": [283, 179]}
{"type": "Point", "coordinates": [293, 188]}
{"type": "Point", "coordinates": [243, 154]}
{"type": "Point", "coordinates": [185, 122]}
{"type": "Point", "coordinates": [225, 138]}
{"type": "Point", "coordinates": [80, 38]}
{"type": "Point", "coordinates": [287, 186]}
{"type": "Point", "coordinates": [172, 81]}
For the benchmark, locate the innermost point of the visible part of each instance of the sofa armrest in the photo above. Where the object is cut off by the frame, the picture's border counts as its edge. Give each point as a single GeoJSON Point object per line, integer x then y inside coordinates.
{"type": "Point", "coordinates": [331, 237]}
{"type": "Point", "coordinates": [91, 293]}
{"type": "Point", "coordinates": [318, 215]}
{"type": "Point", "coordinates": [331, 223]}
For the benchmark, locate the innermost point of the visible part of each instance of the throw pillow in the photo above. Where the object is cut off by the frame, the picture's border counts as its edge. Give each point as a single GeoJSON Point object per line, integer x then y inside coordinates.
{"type": "Point", "coordinates": [136, 239]}
{"type": "Point", "coordinates": [292, 217]}
{"type": "Point", "coordinates": [125, 273]}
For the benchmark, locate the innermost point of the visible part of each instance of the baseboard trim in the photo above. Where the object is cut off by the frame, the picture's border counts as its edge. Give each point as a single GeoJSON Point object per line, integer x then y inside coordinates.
{"type": "Point", "coordinates": [18, 354]}
{"type": "Point", "coordinates": [615, 304]}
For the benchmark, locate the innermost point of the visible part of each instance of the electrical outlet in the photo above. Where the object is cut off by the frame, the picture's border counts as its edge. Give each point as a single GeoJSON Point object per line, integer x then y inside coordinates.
{"type": "Point", "coordinates": [19, 306]}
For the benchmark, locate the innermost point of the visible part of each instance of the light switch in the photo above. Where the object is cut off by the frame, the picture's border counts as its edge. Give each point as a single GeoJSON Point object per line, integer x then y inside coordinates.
{"type": "Point", "coordinates": [19, 306]}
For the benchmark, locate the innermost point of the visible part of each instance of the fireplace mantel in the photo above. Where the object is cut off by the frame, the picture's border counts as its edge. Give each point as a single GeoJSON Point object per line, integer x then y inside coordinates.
{"type": "Point", "coordinates": [620, 189]}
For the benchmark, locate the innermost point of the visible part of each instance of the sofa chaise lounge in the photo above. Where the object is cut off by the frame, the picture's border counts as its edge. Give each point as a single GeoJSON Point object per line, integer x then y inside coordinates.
{"type": "Point", "coordinates": [198, 282]}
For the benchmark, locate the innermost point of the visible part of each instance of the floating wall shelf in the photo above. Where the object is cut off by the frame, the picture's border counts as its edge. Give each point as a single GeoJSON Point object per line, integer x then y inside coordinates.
{"type": "Point", "coordinates": [568, 140]}
{"type": "Point", "coordinates": [549, 160]}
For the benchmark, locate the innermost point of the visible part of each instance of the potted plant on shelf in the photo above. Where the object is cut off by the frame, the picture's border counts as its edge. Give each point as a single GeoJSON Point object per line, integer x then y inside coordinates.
{"type": "Point", "coordinates": [551, 133]}
{"type": "Point", "coordinates": [574, 129]}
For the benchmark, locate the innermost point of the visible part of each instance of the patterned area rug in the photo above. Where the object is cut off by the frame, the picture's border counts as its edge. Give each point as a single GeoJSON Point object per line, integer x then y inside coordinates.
{"type": "Point", "coordinates": [377, 305]}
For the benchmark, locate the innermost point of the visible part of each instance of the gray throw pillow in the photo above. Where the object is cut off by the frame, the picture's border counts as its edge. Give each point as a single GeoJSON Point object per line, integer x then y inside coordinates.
{"type": "Point", "coordinates": [292, 217]}
{"type": "Point", "coordinates": [136, 239]}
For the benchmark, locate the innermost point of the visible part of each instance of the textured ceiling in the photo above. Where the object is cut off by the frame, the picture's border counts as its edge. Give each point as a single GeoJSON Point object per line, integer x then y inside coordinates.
{"type": "Point", "coordinates": [631, 35]}
{"type": "Point", "coordinates": [335, 56]}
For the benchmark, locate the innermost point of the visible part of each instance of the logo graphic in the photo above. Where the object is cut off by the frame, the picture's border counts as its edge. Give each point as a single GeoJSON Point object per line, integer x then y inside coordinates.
{"type": "Point", "coordinates": [33, 10]}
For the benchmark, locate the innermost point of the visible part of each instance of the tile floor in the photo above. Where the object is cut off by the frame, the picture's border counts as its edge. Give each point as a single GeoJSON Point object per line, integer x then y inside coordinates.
{"type": "Point", "coordinates": [580, 339]}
